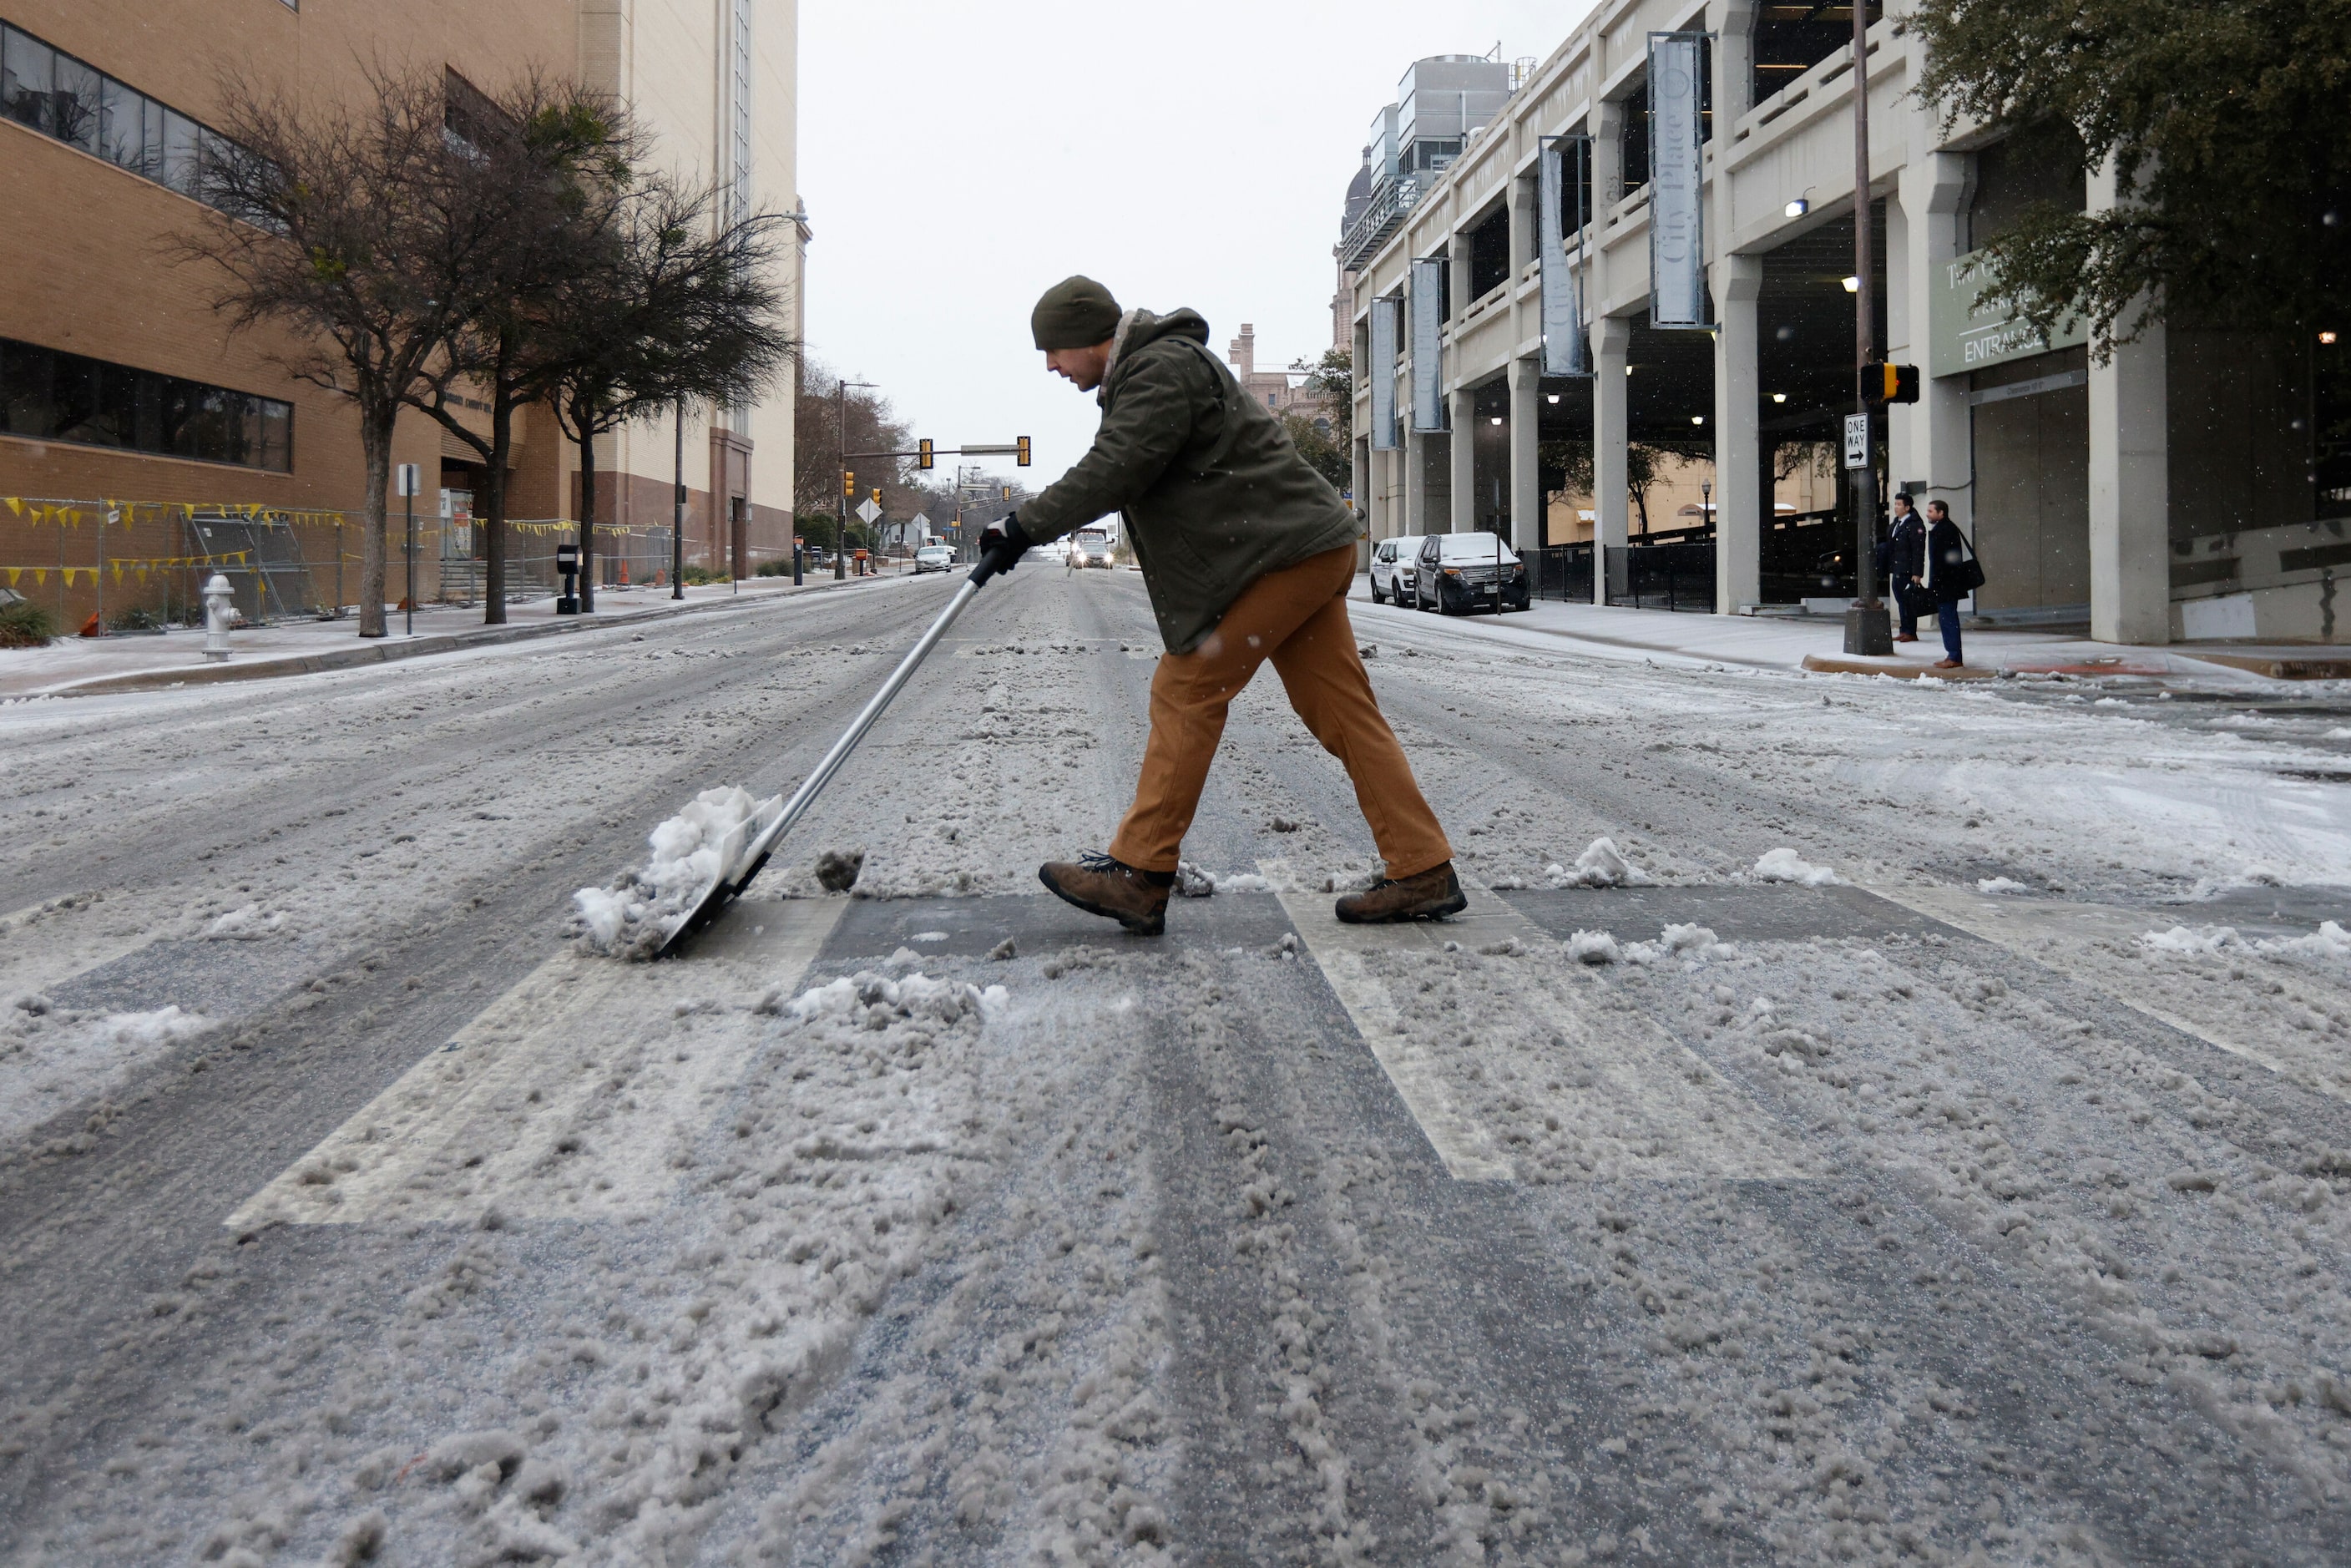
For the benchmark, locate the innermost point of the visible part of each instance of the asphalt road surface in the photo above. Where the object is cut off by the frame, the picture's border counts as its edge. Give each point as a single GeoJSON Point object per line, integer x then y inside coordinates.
{"type": "Point", "coordinates": [1969, 1184]}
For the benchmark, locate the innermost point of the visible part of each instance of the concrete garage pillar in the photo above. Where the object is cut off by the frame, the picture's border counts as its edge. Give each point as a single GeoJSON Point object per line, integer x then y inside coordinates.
{"type": "Point", "coordinates": [1742, 502]}
{"type": "Point", "coordinates": [1612, 338]}
{"type": "Point", "coordinates": [1415, 456]}
{"type": "Point", "coordinates": [2130, 486]}
{"type": "Point", "coordinates": [1526, 470]}
{"type": "Point", "coordinates": [2130, 495]}
{"type": "Point", "coordinates": [1359, 482]}
{"type": "Point", "coordinates": [1461, 413]}
{"type": "Point", "coordinates": [1930, 439]}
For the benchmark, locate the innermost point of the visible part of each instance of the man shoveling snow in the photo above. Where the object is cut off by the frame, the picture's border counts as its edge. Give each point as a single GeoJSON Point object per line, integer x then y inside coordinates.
{"type": "Point", "coordinates": [1248, 554]}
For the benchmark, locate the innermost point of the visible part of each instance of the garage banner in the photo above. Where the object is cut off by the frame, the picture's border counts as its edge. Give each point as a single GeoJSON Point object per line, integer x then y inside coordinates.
{"type": "Point", "coordinates": [1381, 373]}
{"type": "Point", "coordinates": [1677, 226]}
{"type": "Point", "coordinates": [1428, 344]}
{"type": "Point", "coordinates": [1558, 179]}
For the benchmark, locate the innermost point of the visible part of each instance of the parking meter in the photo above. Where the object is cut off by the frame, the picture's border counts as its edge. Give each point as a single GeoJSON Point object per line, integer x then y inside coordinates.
{"type": "Point", "coordinates": [566, 561]}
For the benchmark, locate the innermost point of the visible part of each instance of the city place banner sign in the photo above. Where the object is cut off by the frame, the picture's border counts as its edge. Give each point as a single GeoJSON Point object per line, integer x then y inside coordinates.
{"type": "Point", "coordinates": [1965, 334]}
{"type": "Point", "coordinates": [1676, 169]}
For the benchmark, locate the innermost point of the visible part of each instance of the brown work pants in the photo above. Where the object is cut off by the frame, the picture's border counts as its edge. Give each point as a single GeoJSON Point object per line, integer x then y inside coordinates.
{"type": "Point", "coordinates": [1298, 618]}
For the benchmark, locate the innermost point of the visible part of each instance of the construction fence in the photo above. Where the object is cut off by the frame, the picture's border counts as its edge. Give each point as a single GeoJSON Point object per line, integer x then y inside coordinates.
{"type": "Point", "coordinates": [141, 563]}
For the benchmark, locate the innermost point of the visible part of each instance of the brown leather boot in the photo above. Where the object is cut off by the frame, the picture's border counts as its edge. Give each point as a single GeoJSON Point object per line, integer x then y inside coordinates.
{"type": "Point", "coordinates": [1435, 893]}
{"type": "Point", "coordinates": [1101, 885]}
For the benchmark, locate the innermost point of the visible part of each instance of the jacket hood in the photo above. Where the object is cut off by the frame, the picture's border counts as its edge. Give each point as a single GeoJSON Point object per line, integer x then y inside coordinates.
{"type": "Point", "coordinates": [1138, 328]}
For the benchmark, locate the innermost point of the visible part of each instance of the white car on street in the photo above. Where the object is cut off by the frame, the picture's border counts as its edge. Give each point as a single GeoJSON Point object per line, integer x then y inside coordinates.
{"type": "Point", "coordinates": [934, 557]}
{"type": "Point", "coordinates": [1391, 569]}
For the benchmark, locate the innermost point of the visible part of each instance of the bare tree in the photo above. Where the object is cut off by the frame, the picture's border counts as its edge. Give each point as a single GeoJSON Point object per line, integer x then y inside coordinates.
{"type": "Point", "coordinates": [821, 415]}
{"type": "Point", "coordinates": [355, 225]}
{"type": "Point", "coordinates": [545, 159]}
{"type": "Point", "coordinates": [673, 302]}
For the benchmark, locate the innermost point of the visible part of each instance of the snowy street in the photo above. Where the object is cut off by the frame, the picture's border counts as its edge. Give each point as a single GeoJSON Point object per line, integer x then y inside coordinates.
{"type": "Point", "coordinates": [1923, 1133]}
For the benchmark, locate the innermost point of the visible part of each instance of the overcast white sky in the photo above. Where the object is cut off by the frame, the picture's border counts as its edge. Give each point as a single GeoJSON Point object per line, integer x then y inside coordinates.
{"type": "Point", "coordinates": [958, 159]}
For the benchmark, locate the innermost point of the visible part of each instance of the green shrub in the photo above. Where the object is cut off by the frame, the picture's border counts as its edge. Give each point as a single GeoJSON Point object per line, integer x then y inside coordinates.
{"type": "Point", "coordinates": [696, 575]}
{"type": "Point", "coordinates": [25, 625]}
{"type": "Point", "coordinates": [136, 619]}
{"type": "Point", "coordinates": [780, 567]}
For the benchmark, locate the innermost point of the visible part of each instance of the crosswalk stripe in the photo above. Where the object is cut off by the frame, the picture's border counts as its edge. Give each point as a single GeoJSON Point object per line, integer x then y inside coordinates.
{"type": "Point", "coordinates": [2062, 936]}
{"type": "Point", "coordinates": [574, 1094]}
{"type": "Point", "coordinates": [1640, 1104]}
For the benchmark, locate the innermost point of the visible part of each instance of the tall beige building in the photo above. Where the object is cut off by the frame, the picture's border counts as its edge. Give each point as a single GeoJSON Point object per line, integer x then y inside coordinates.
{"type": "Point", "coordinates": [715, 80]}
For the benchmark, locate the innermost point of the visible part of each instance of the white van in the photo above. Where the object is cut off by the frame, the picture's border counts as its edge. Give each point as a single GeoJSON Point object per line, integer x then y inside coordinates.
{"type": "Point", "coordinates": [1391, 569]}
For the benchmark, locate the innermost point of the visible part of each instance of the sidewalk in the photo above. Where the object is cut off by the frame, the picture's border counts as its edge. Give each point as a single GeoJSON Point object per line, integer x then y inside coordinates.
{"type": "Point", "coordinates": [1817, 645]}
{"type": "Point", "coordinates": [85, 666]}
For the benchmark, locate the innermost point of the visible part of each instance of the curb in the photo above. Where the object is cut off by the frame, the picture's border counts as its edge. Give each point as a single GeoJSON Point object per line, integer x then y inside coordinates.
{"type": "Point", "coordinates": [2277, 669]}
{"type": "Point", "coordinates": [1901, 670]}
{"type": "Point", "coordinates": [391, 651]}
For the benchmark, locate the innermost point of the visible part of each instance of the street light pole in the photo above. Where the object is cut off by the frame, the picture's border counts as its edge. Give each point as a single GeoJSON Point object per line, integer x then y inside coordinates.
{"type": "Point", "coordinates": [1866, 628]}
{"type": "Point", "coordinates": [840, 506]}
{"type": "Point", "coordinates": [677, 512]}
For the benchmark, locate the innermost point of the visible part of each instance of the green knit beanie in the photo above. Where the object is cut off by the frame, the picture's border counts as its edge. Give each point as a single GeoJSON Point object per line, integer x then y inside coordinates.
{"type": "Point", "coordinates": [1075, 313]}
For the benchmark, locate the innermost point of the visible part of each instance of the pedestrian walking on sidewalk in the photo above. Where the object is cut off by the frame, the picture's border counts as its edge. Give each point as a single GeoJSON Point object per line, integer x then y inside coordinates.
{"type": "Point", "coordinates": [1248, 554]}
{"type": "Point", "coordinates": [1952, 573]}
{"type": "Point", "coordinates": [1905, 563]}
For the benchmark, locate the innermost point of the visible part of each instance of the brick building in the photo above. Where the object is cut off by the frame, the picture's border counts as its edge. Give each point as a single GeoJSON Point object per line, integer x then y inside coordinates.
{"type": "Point", "coordinates": [1281, 391]}
{"type": "Point", "coordinates": [121, 392]}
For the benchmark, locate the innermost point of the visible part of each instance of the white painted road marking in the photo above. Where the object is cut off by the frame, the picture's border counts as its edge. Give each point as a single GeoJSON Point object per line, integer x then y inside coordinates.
{"type": "Point", "coordinates": [2067, 937]}
{"type": "Point", "coordinates": [574, 1094]}
{"type": "Point", "coordinates": [1541, 1061]}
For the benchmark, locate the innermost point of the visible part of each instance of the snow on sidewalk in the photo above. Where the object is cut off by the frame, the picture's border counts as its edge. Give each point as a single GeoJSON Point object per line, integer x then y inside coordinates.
{"type": "Point", "coordinates": [77, 661]}
{"type": "Point", "coordinates": [1784, 643]}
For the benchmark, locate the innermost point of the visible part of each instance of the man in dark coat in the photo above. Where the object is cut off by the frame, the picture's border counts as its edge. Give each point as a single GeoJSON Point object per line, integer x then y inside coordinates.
{"type": "Point", "coordinates": [1906, 561]}
{"type": "Point", "coordinates": [1248, 555]}
{"type": "Point", "coordinates": [1951, 574]}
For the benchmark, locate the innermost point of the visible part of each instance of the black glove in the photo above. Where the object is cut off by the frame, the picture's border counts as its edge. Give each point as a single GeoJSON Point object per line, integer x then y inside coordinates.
{"type": "Point", "coordinates": [1004, 543]}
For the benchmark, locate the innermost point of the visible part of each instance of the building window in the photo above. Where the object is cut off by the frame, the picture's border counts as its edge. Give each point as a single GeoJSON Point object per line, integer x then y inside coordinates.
{"type": "Point", "coordinates": [47, 395]}
{"type": "Point", "coordinates": [49, 90]}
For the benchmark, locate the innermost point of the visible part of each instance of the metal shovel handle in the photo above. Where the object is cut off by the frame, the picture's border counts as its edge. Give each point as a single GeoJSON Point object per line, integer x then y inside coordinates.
{"type": "Point", "coordinates": [755, 857]}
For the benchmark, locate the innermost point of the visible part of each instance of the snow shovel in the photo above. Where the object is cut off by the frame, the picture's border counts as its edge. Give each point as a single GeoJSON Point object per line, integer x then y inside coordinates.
{"type": "Point", "coordinates": [738, 866]}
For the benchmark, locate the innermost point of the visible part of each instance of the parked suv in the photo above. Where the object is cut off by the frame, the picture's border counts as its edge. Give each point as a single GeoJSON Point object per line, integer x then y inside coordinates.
{"type": "Point", "coordinates": [1459, 573]}
{"type": "Point", "coordinates": [1392, 567]}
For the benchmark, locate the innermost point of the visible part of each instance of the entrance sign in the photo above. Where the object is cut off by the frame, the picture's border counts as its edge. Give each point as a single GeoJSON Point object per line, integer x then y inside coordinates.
{"type": "Point", "coordinates": [1677, 226]}
{"type": "Point", "coordinates": [1382, 374]}
{"type": "Point", "coordinates": [1562, 169]}
{"type": "Point", "coordinates": [1856, 441]}
{"type": "Point", "coordinates": [1964, 334]}
{"type": "Point", "coordinates": [1428, 344]}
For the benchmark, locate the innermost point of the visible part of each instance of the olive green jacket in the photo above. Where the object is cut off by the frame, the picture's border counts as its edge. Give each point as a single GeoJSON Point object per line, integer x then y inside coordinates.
{"type": "Point", "coordinates": [1214, 494]}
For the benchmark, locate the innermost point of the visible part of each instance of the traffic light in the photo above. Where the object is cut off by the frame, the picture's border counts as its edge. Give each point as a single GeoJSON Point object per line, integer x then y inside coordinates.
{"type": "Point", "coordinates": [877, 494]}
{"type": "Point", "coordinates": [1007, 492]}
{"type": "Point", "coordinates": [848, 483]}
{"type": "Point", "coordinates": [922, 455]}
{"type": "Point", "coordinates": [1022, 459]}
{"type": "Point", "coordinates": [1892, 384]}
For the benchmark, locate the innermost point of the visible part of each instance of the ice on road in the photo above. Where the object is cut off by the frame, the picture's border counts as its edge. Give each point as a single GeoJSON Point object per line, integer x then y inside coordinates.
{"type": "Point", "coordinates": [1853, 1120]}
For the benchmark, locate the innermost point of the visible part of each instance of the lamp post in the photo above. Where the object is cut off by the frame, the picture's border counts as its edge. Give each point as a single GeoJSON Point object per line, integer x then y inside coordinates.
{"type": "Point", "coordinates": [677, 512]}
{"type": "Point", "coordinates": [1866, 628]}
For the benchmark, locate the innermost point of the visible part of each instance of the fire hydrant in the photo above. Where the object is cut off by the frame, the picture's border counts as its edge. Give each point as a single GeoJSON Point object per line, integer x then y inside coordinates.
{"type": "Point", "coordinates": [218, 598]}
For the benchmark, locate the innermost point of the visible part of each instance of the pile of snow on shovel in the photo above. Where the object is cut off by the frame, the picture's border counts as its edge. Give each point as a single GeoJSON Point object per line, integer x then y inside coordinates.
{"type": "Point", "coordinates": [633, 916]}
